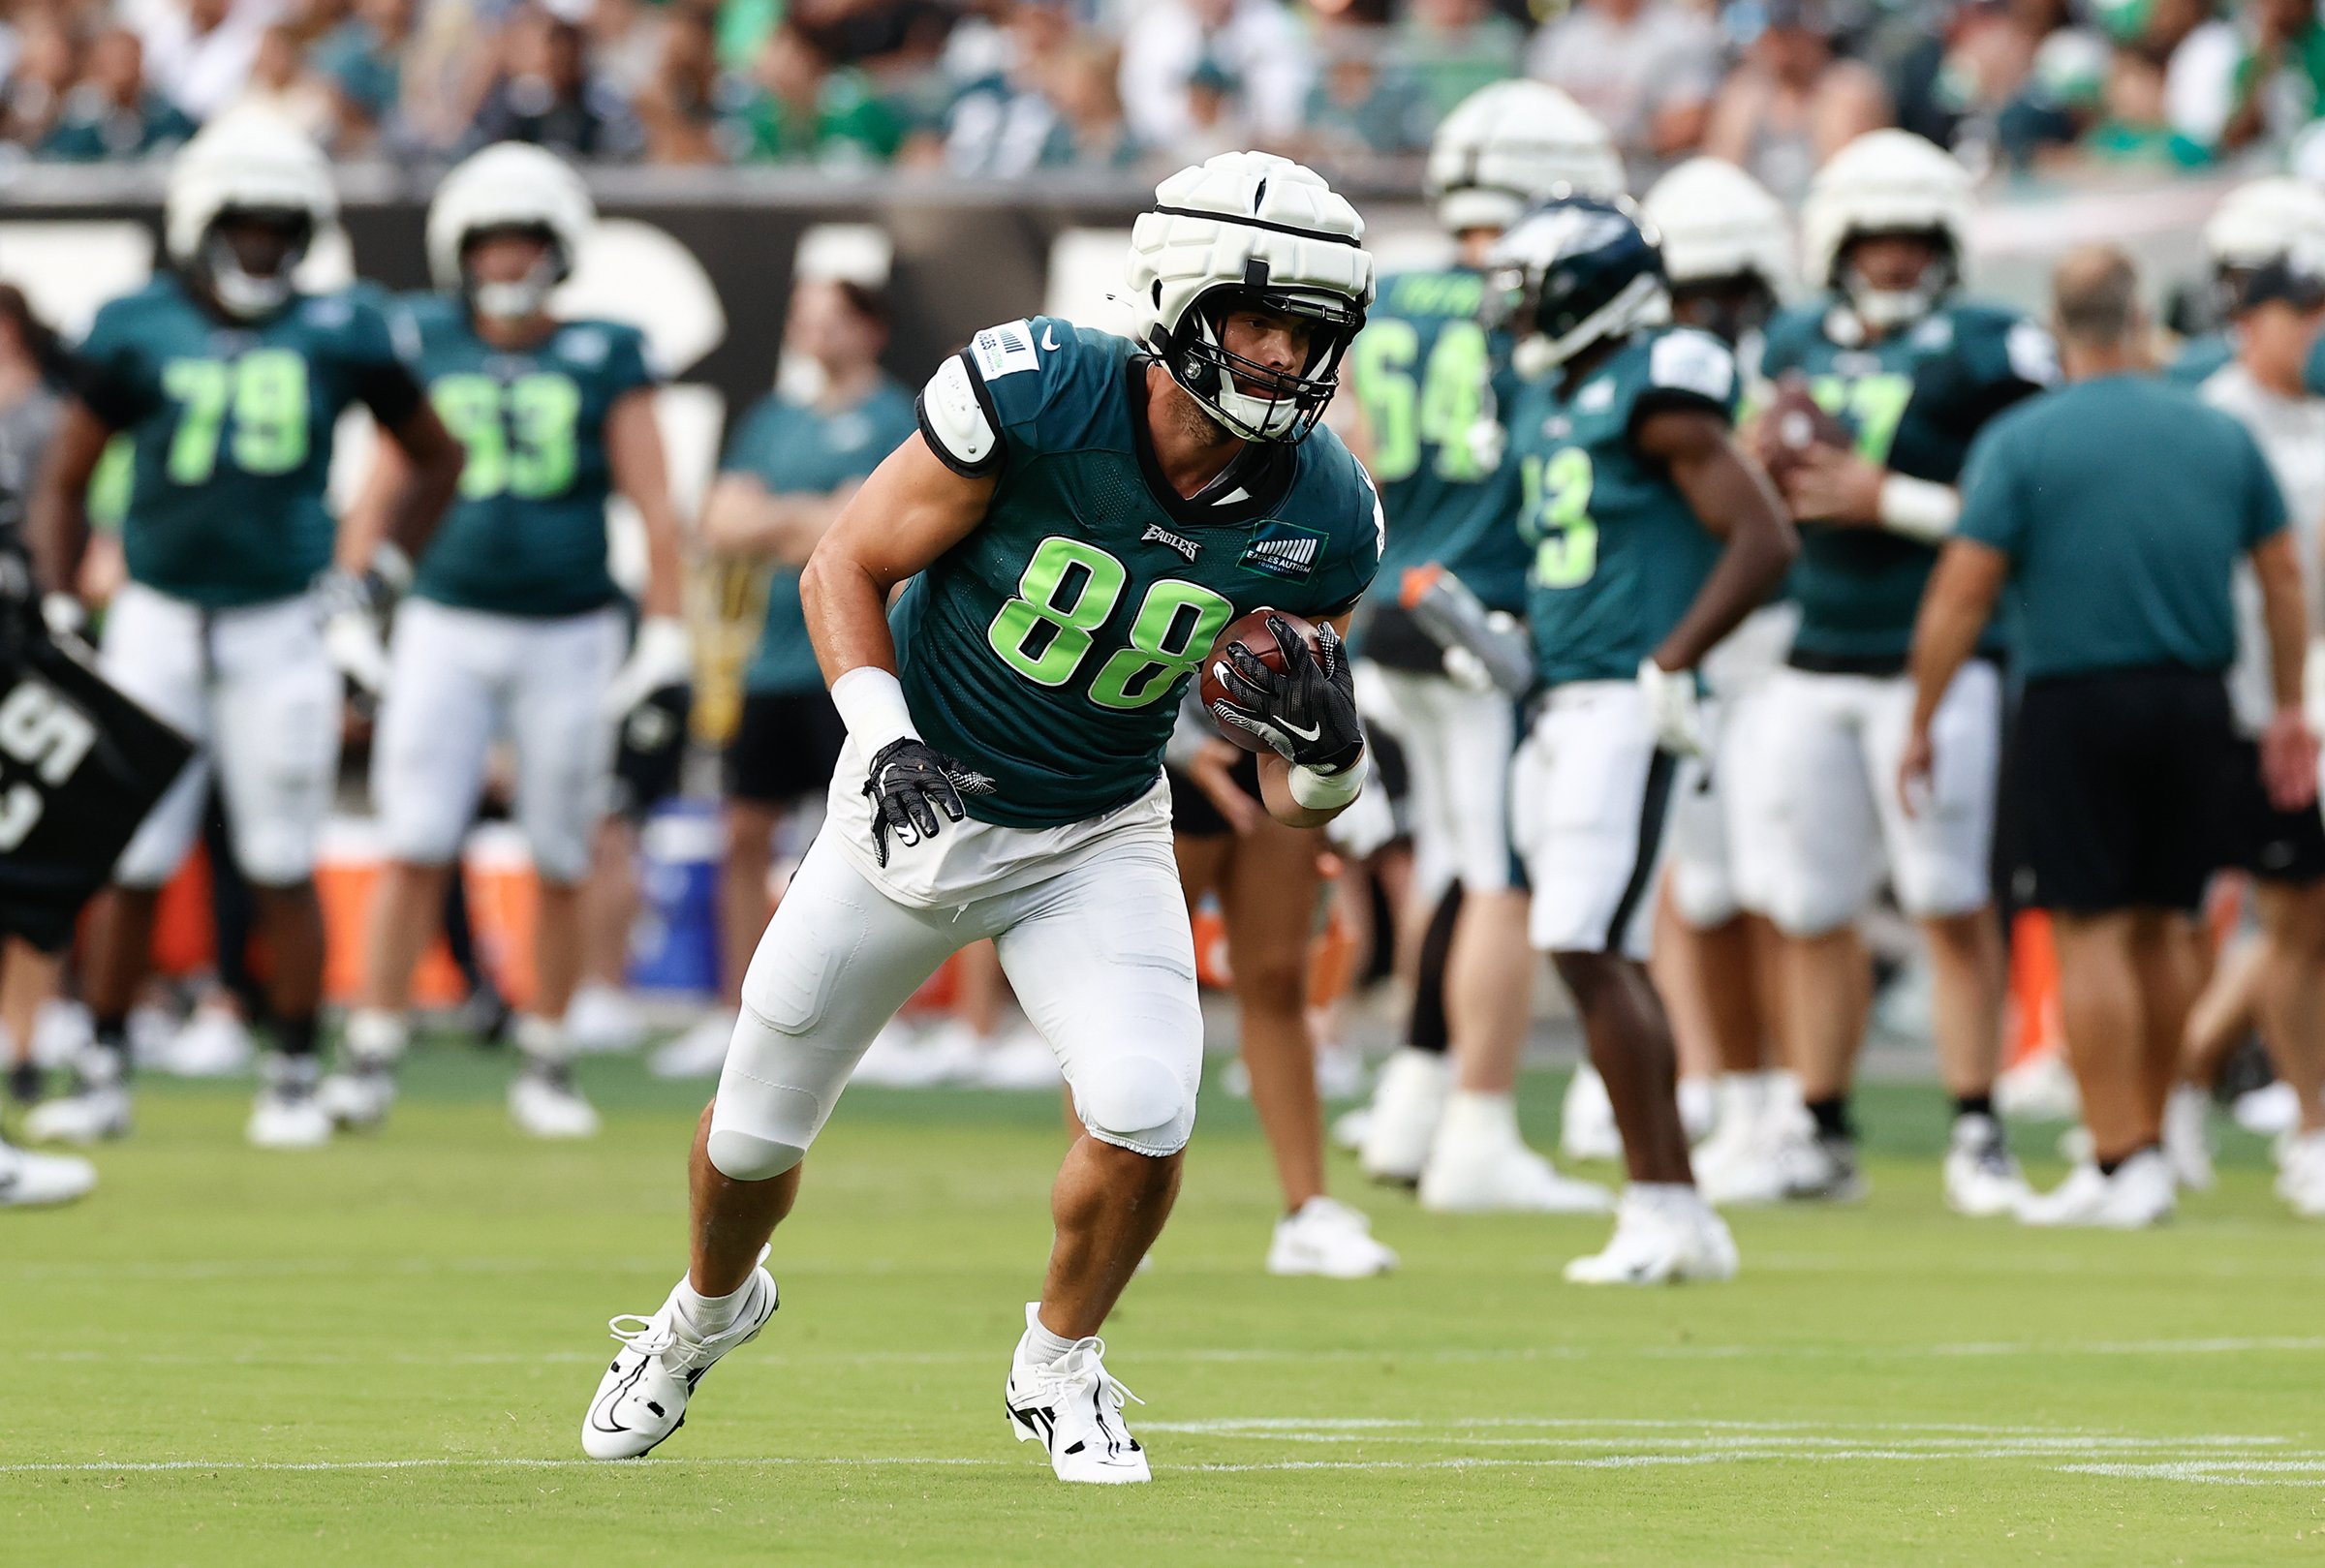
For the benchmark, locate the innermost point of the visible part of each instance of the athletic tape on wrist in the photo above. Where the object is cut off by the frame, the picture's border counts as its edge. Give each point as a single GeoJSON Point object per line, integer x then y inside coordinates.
{"type": "Point", "coordinates": [1919, 509]}
{"type": "Point", "coordinates": [1328, 791]}
{"type": "Point", "coordinates": [871, 704]}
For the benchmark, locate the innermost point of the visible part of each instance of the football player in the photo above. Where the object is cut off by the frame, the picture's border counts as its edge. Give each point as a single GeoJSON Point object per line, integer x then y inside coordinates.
{"type": "Point", "coordinates": [2251, 227]}
{"type": "Point", "coordinates": [1728, 251]}
{"type": "Point", "coordinates": [1913, 371]}
{"type": "Point", "coordinates": [1432, 381]}
{"type": "Point", "coordinates": [1653, 537]}
{"type": "Point", "coordinates": [229, 381]}
{"type": "Point", "coordinates": [1078, 519]}
{"type": "Point", "coordinates": [513, 623]}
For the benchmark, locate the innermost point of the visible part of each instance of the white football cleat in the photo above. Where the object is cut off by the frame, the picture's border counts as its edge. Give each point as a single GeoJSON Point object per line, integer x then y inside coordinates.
{"type": "Point", "coordinates": [1072, 1406]}
{"type": "Point", "coordinates": [2301, 1176]}
{"type": "Point", "coordinates": [2141, 1192]}
{"type": "Point", "coordinates": [2270, 1112]}
{"type": "Point", "coordinates": [149, 1030]}
{"type": "Point", "coordinates": [1407, 1103]}
{"type": "Point", "coordinates": [1818, 1169]}
{"type": "Point", "coordinates": [1737, 1163]}
{"type": "Point", "coordinates": [360, 1094]}
{"type": "Point", "coordinates": [1339, 1066]}
{"type": "Point", "coordinates": [214, 1043]}
{"type": "Point", "coordinates": [1348, 1128]}
{"type": "Point", "coordinates": [2187, 1137]}
{"type": "Point", "coordinates": [29, 1180]}
{"type": "Point", "coordinates": [698, 1052]}
{"type": "Point", "coordinates": [1328, 1239]}
{"type": "Point", "coordinates": [96, 1108]}
{"type": "Point", "coordinates": [1020, 1060]}
{"type": "Point", "coordinates": [60, 1032]}
{"type": "Point", "coordinates": [642, 1399]}
{"type": "Point", "coordinates": [1698, 1107]}
{"type": "Point", "coordinates": [287, 1113]}
{"type": "Point", "coordinates": [1479, 1164]}
{"type": "Point", "coordinates": [546, 1104]}
{"type": "Point", "coordinates": [1585, 1119]}
{"type": "Point", "coordinates": [1982, 1178]}
{"type": "Point", "coordinates": [1663, 1235]}
{"type": "Point", "coordinates": [602, 1021]}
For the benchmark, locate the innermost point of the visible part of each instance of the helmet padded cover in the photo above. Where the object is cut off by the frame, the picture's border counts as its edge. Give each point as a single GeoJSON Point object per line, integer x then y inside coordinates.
{"type": "Point", "coordinates": [1882, 182]}
{"type": "Point", "coordinates": [245, 159]}
{"type": "Point", "coordinates": [510, 184]}
{"type": "Point", "coordinates": [1508, 146]}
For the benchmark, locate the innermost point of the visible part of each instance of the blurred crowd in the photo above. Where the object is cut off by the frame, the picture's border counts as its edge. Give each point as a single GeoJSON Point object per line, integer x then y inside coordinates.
{"type": "Point", "coordinates": [1004, 88]}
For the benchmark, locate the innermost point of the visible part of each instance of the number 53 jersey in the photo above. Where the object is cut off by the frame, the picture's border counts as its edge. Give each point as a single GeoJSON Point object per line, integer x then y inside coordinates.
{"type": "Point", "coordinates": [1619, 555]}
{"type": "Point", "coordinates": [231, 428]}
{"type": "Point", "coordinates": [1049, 648]}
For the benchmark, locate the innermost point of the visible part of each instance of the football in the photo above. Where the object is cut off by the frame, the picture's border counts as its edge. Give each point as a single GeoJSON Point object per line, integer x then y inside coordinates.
{"type": "Point", "coordinates": [1793, 422]}
{"type": "Point", "coordinates": [1253, 633]}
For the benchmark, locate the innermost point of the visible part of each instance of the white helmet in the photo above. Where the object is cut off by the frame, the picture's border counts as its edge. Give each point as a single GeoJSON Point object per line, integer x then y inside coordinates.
{"type": "Point", "coordinates": [1886, 182]}
{"type": "Point", "coordinates": [1719, 222]}
{"type": "Point", "coordinates": [1507, 146]}
{"type": "Point", "coordinates": [508, 185]}
{"type": "Point", "coordinates": [246, 161]}
{"type": "Point", "coordinates": [1255, 229]}
{"type": "Point", "coordinates": [2261, 220]}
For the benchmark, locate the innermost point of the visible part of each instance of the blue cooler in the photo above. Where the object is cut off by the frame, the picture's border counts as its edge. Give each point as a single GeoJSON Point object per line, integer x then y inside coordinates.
{"type": "Point", "coordinates": [674, 943]}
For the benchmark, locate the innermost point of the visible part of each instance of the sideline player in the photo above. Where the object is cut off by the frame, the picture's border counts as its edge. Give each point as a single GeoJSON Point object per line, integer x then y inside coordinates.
{"type": "Point", "coordinates": [513, 621]}
{"type": "Point", "coordinates": [1630, 484]}
{"type": "Point", "coordinates": [1913, 371]}
{"type": "Point", "coordinates": [229, 381]}
{"type": "Point", "coordinates": [1727, 248]}
{"type": "Point", "coordinates": [1432, 383]}
{"type": "Point", "coordinates": [1079, 518]}
{"type": "Point", "coordinates": [789, 470]}
{"type": "Point", "coordinates": [2251, 227]}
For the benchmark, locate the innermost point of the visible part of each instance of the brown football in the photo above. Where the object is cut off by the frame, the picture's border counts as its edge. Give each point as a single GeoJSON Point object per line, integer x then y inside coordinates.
{"type": "Point", "coordinates": [1260, 642]}
{"type": "Point", "coordinates": [1792, 422]}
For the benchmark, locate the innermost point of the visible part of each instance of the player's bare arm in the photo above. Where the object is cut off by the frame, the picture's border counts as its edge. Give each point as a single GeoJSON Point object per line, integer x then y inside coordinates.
{"type": "Point", "coordinates": [1734, 500]}
{"type": "Point", "coordinates": [641, 474]}
{"type": "Point", "coordinates": [910, 511]}
{"type": "Point", "coordinates": [433, 460]}
{"type": "Point", "coordinates": [57, 516]}
{"type": "Point", "coordinates": [2288, 751]}
{"type": "Point", "coordinates": [742, 520]}
{"type": "Point", "coordinates": [1954, 611]}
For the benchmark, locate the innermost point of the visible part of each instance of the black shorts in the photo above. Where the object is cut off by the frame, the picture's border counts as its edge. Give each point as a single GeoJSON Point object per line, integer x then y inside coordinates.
{"type": "Point", "coordinates": [2122, 790]}
{"type": "Point", "coordinates": [1192, 813]}
{"type": "Point", "coordinates": [784, 748]}
{"type": "Point", "coordinates": [2273, 845]}
{"type": "Point", "coordinates": [652, 753]}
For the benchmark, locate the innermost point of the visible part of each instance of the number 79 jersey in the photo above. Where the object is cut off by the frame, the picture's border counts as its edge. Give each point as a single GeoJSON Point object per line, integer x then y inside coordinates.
{"type": "Point", "coordinates": [1619, 555]}
{"type": "Point", "coordinates": [1048, 649]}
{"type": "Point", "coordinates": [231, 428]}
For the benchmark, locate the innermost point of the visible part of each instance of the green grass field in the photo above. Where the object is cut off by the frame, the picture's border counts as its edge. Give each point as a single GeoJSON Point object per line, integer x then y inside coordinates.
{"type": "Point", "coordinates": [380, 1355]}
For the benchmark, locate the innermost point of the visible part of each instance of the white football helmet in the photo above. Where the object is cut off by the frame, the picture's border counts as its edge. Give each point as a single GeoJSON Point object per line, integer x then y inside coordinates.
{"type": "Point", "coordinates": [1249, 229]}
{"type": "Point", "coordinates": [508, 185]}
{"type": "Point", "coordinates": [2261, 220]}
{"type": "Point", "coordinates": [1719, 222]}
{"type": "Point", "coordinates": [248, 160]}
{"type": "Point", "coordinates": [1508, 146]}
{"type": "Point", "coordinates": [1887, 182]}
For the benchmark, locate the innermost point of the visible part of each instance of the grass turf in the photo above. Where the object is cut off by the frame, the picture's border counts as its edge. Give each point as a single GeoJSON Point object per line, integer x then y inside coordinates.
{"type": "Point", "coordinates": [378, 1354]}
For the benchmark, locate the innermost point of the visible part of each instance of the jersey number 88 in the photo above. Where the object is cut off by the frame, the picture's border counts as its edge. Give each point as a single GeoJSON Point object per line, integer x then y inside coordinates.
{"type": "Point", "coordinates": [1069, 589]}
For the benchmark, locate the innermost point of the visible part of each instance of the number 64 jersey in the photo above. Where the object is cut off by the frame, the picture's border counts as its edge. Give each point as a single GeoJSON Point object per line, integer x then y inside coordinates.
{"type": "Point", "coordinates": [1048, 650]}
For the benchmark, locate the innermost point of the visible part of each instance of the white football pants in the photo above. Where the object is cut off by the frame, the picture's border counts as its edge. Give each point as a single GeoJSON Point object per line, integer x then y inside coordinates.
{"type": "Point", "coordinates": [1457, 748]}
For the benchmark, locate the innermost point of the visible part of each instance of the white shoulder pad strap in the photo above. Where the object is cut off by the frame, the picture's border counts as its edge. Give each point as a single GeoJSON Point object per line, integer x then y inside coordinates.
{"type": "Point", "coordinates": [954, 418]}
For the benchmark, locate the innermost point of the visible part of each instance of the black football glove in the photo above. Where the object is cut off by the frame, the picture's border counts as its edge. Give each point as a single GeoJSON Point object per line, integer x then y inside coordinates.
{"type": "Point", "coordinates": [910, 781]}
{"type": "Point", "coordinates": [1307, 711]}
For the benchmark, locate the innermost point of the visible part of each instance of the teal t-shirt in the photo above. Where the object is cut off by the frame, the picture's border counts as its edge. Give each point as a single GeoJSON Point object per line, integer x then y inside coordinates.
{"type": "Point", "coordinates": [794, 449]}
{"type": "Point", "coordinates": [2122, 504]}
{"type": "Point", "coordinates": [1428, 376]}
{"type": "Point", "coordinates": [1048, 650]}
{"type": "Point", "coordinates": [231, 425]}
{"type": "Point", "coordinates": [526, 533]}
{"type": "Point", "coordinates": [1915, 401]}
{"type": "Point", "coordinates": [1618, 553]}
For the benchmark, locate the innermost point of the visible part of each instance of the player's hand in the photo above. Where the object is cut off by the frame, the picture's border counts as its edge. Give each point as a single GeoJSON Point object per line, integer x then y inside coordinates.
{"type": "Point", "coordinates": [1212, 768]}
{"type": "Point", "coordinates": [663, 656]}
{"type": "Point", "coordinates": [351, 636]}
{"type": "Point", "coordinates": [909, 783]}
{"type": "Point", "coordinates": [1672, 708]}
{"type": "Point", "coordinates": [1826, 485]}
{"type": "Point", "coordinates": [2288, 760]}
{"type": "Point", "coordinates": [1914, 765]}
{"type": "Point", "coordinates": [1306, 712]}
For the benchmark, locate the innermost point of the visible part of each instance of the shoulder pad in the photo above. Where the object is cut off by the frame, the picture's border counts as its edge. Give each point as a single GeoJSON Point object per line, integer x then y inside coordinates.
{"type": "Point", "coordinates": [956, 418]}
{"type": "Point", "coordinates": [1683, 360]}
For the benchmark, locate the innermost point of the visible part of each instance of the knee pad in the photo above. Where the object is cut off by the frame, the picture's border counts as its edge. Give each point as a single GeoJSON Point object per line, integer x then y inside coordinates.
{"type": "Point", "coordinates": [775, 1093]}
{"type": "Point", "coordinates": [1136, 1101]}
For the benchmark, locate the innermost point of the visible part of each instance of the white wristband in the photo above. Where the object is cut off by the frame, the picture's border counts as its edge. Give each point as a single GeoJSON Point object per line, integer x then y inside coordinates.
{"type": "Point", "coordinates": [1328, 791]}
{"type": "Point", "coordinates": [871, 704]}
{"type": "Point", "coordinates": [1919, 509]}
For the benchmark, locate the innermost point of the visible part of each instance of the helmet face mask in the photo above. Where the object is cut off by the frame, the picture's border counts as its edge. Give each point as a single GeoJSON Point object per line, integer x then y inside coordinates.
{"type": "Point", "coordinates": [1883, 301]}
{"type": "Point", "coordinates": [1285, 403]}
{"type": "Point", "coordinates": [248, 256]}
{"type": "Point", "coordinates": [1729, 308]}
{"type": "Point", "coordinates": [509, 190]}
{"type": "Point", "coordinates": [245, 199]}
{"type": "Point", "coordinates": [524, 295]}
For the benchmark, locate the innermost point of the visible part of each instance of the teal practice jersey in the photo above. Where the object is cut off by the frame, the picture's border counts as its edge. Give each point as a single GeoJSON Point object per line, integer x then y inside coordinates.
{"type": "Point", "coordinates": [1048, 650]}
{"type": "Point", "coordinates": [795, 448]}
{"type": "Point", "coordinates": [526, 533]}
{"type": "Point", "coordinates": [1432, 383]}
{"type": "Point", "coordinates": [1915, 401]}
{"type": "Point", "coordinates": [230, 424]}
{"type": "Point", "coordinates": [1619, 555]}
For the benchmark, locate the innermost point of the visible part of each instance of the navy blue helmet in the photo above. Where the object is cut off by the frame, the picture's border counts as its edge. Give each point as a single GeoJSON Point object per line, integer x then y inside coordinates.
{"type": "Point", "coordinates": [1576, 271]}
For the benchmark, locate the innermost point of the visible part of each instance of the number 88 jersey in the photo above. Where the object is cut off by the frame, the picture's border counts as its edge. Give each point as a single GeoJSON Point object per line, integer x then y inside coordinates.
{"type": "Point", "coordinates": [230, 431]}
{"type": "Point", "coordinates": [526, 532]}
{"type": "Point", "coordinates": [1049, 648]}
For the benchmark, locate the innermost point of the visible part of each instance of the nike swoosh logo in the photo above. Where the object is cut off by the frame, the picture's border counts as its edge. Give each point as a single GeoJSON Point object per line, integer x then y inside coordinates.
{"type": "Point", "coordinates": [1304, 734]}
{"type": "Point", "coordinates": [1049, 340]}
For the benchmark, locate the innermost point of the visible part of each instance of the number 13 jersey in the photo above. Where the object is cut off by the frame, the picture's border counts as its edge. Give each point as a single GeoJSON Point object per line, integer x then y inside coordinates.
{"type": "Point", "coordinates": [231, 425]}
{"type": "Point", "coordinates": [1048, 649]}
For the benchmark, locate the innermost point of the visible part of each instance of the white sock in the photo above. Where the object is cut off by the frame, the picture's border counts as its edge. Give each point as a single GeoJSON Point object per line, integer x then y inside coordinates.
{"type": "Point", "coordinates": [713, 1316]}
{"type": "Point", "coordinates": [1042, 1345]}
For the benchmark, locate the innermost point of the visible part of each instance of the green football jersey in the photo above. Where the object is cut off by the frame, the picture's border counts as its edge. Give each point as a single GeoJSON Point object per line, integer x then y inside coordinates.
{"type": "Point", "coordinates": [1915, 401]}
{"type": "Point", "coordinates": [796, 449]}
{"type": "Point", "coordinates": [1048, 650]}
{"type": "Point", "coordinates": [230, 425]}
{"type": "Point", "coordinates": [1431, 381]}
{"type": "Point", "coordinates": [526, 533]}
{"type": "Point", "coordinates": [1619, 555]}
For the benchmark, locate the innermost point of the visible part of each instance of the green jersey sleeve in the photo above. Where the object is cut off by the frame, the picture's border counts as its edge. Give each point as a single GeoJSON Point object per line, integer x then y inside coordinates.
{"type": "Point", "coordinates": [110, 371]}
